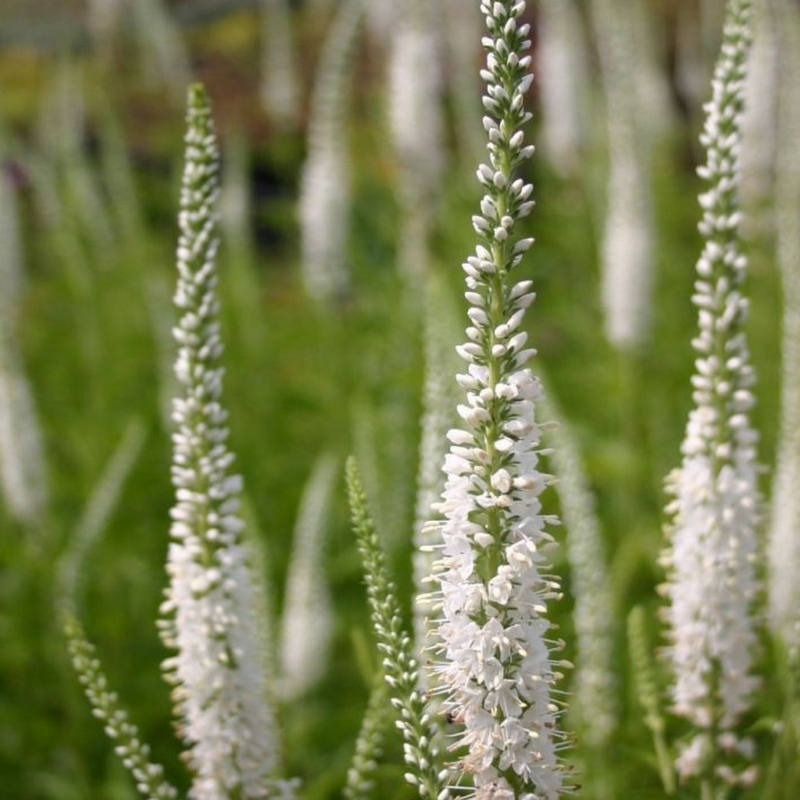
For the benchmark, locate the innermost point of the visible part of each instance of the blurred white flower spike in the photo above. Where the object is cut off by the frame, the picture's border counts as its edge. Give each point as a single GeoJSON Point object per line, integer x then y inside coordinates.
{"type": "Point", "coordinates": [714, 511]}
{"type": "Point", "coordinates": [494, 666]}
{"type": "Point", "coordinates": [209, 616]}
{"type": "Point", "coordinates": [783, 548]}
{"type": "Point", "coordinates": [23, 473]}
{"type": "Point", "coordinates": [593, 704]}
{"type": "Point", "coordinates": [627, 245]}
{"type": "Point", "coordinates": [325, 185]}
{"type": "Point", "coordinates": [563, 84]}
{"type": "Point", "coordinates": [307, 624]}
{"type": "Point", "coordinates": [417, 127]}
{"type": "Point", "coordinates": [280, 93]}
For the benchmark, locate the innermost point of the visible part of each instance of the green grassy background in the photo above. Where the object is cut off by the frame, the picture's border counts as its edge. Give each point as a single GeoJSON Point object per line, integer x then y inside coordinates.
{"type": "Point", "coordinates": [301, 380]}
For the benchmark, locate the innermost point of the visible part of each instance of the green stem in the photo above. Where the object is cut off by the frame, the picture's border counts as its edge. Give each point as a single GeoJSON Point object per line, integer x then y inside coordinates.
{"type": "Point", "coordinates": [664, 760]}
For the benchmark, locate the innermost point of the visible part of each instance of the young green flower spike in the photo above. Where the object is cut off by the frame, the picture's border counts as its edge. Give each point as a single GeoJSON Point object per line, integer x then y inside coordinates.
{"type": "Point", "coordinates": [148, 775]}
{"type": "Point", "coordinates": [369, 744]}
{"type": "Point", "coordinates": [714, 507]}
{"type": "Point", "coordinates": [210, 615]}
{"type": "Point", "coordinates": [494, 664]}
{"type": "Point", "coordinates": [400, 668]}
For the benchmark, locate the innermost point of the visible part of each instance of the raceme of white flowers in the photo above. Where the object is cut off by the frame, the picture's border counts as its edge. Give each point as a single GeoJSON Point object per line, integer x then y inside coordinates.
{"type": "Point", "coordinates": [783, 550]}
{"type": "Point", "coordinates": [494, 667]}
{"type": "Point", "coordinates": [714, 508]}
{"type": "Point", "coordinates": [134, 753]}
{"type": "Point", "coordinates": [324, 205]}
{"type": "Point", "coordinates": [22, 466]}
{"type": "Point", "coordinates": [208, 616]}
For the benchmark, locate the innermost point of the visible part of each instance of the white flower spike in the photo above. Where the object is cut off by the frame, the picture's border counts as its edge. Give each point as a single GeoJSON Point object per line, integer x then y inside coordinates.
{"type": "Point", "coordinates": [220, 687]}
{"type": "Point", "coordinates": [715, 505]}
{"type": "Point", "coordinates": [495, 669]}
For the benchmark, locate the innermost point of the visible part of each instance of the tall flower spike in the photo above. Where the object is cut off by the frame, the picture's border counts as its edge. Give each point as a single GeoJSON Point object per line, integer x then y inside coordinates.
{"type": "Point", "coordinates": [495, 668]}
{"type": "Point", "coordinates": [714, 506]}
{"type": "Point", "coordinates": [209, 611]}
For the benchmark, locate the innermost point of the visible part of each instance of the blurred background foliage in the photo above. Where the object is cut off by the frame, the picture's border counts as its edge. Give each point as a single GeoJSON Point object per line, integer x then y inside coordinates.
{"type": "Point", "coordinates": [91, 143]}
